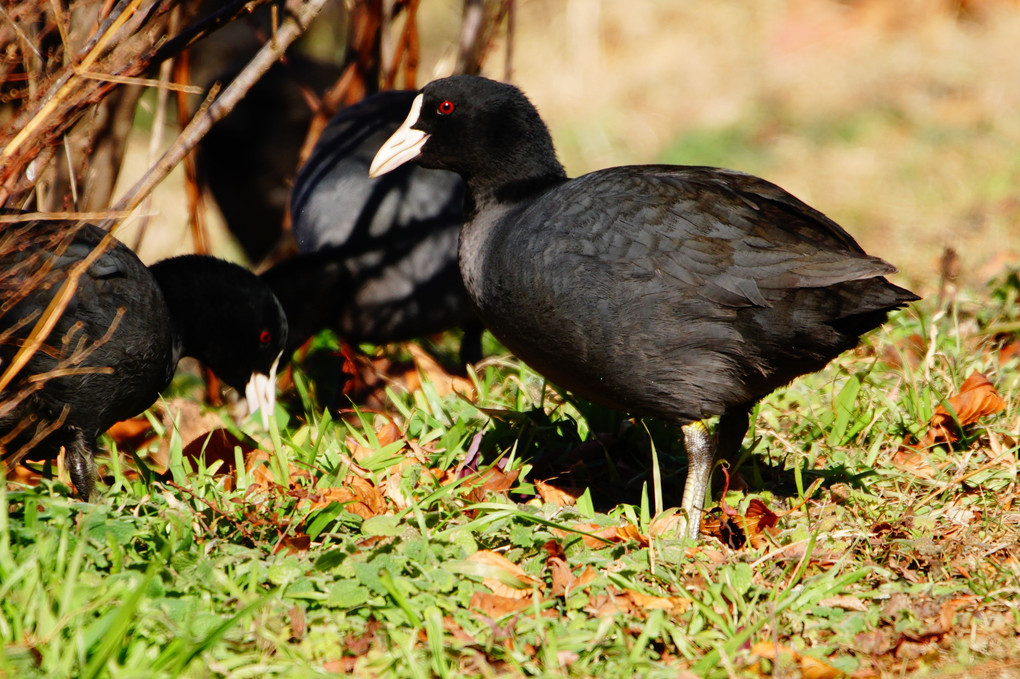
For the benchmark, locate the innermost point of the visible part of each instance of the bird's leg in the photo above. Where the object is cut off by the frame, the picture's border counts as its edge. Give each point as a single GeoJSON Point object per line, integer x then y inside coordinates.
{"type": "Point", "coordinates": [700, 453]}
{"type": "Point", "coordinates": [730, 432]}
{"type": "Point", "coordinates": [471, 344]}
{"type": "Point", "coordinates": [81, 465]}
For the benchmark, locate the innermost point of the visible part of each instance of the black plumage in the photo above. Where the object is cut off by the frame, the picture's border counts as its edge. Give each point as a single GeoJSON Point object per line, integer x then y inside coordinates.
{"type": "Point", "coordinates": [116, 344]}
{"type": "Point", "coordinates": [379, 256]}
{"type": "Point", "coordinates": [670, 291]}
{"type": "Point", "coordinates": [250, 157]}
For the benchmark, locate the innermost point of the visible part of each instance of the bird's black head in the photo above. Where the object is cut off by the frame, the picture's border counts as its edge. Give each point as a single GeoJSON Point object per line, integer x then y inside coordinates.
{"type": "Point", "coordinates": [229, 319]}
{"type": "Point", "coordinates": [486, 131]}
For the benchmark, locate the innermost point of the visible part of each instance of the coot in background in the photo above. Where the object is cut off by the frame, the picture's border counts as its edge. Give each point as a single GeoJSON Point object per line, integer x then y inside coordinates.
{"type": "Point", "coordinates": [378, 258]}
{"type": "Point", "coordinates": [671, 291]}
{"type": "Point", "coordinates": [249, 159]}
{"type": "Point", "coordinates": [121, 336]}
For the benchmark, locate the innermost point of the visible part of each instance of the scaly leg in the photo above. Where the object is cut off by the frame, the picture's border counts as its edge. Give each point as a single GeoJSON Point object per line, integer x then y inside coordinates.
{"type": "Point", "coordinates": [79, 456]}
{"type": "Point", "coordinates": [700, 454]}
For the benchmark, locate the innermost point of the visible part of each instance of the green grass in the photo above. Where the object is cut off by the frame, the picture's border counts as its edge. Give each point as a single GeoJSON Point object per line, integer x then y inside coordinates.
{"type": "Point", "coordinates": [872, 568]}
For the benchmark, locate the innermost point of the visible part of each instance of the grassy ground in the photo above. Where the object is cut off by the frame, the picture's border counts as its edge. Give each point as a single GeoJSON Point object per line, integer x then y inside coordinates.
{"type": "Point", "coordinates": [377, 542]}
{"type": "Point", "coordinates": [854, 538]}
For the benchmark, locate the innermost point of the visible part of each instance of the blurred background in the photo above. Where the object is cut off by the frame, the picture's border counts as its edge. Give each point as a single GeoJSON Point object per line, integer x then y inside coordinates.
{"type": "Point", "coordinates": [897, 119]}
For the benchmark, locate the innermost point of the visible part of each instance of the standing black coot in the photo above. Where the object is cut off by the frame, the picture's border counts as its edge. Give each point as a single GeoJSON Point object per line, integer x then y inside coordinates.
{"type": "Point", "coordinates": [117, 343]}
{"type": "Point", "coordinates": [379, 256]}
{"type": "Point", "coordinates": [671, 291]}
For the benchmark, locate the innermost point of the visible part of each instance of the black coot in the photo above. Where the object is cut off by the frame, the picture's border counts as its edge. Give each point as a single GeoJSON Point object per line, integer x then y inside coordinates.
{"type": "Point", "coordinates": [117, 343]}
{"type": "Point", "coordinates": [249, 159]}
{"type": "Point", "coordinates": [379, 256]}
{"type": "Point", "coordinates": [671, 291]}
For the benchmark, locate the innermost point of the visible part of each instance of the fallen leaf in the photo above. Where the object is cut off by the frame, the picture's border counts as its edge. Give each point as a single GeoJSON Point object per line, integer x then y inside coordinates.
{"type": "Point", "coordinates": [847, 603]}
{"type": "Point", "coordinates": [386, 434]}
{"type": "Point", "coordinates": [913, 350]}
{"type": "Point", "coordinates": [561, 577]}
{"type": "Point", "coordinates": [631, 602]}
{"type": "Point", "coordinates": [947, 616]}
{"type": "Point", "coordinates": [444, 382]}
{"type": "Point", "coordinates": [566, 658]}
{"type": "Point", "coordinates": [218, 446]}
{"type": "Point", "coordinates": [735, 530]}
{"type": "Point", "coordinates": [668, 522]}
{"type": "Point", "coordinates": [876, 642]}
{"type": "Point", "coordinates": [502, 576]}
{"type": "Point", "coordinates": [629, 531]}
{"type": "Point", "coordinates": [256, 464]}
{"type": "Point", "coordinates": [492, 480]}
{"type": "Point", "coordinates": [298, 623]}
{"type": "Point", "coordinates": [607, 606]}
{"type": "Point", "coordinates": [496, 606]}
{"type": "Point", "coordinates": [189, 420]}
{"type": "Point", "coordinates": [651, 602]}
{"type": "Point", "coordinates": [358, 495]}
{"type": "Point", "coordinates": [593, 535]}
{"type": "Point", "coordinates": [810, 666]}
{"type": "Point", "coordinates": [813, 668]}
{"type": "Point", "coordinates": [1009, 351]}
{"type": "Point", "coordinates": [131, 433]}
{"type": "Point", "coordinates": [296, 543]}
{"type": "Point", "coordinates": [561, 497]}
{"type": "Point", "coordinates": [977, 399]}
{"type": "Point", "coordinates": [913, 461]}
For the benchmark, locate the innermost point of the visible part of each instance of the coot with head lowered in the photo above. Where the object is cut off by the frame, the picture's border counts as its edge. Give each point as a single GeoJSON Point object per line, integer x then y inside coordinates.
{"type": "Point", "coordinates": [117, 342]}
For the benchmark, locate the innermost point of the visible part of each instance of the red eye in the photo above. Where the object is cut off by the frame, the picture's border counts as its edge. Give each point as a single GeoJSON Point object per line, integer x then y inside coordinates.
{"type": "Point", "coordinates": [445, 108]}
{"type": "Point", "coordinates": [265, 337]}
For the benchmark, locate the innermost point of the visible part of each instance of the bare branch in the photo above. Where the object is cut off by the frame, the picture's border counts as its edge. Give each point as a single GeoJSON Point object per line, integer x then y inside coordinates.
{"type": "Point", "coordinates": [299, 16]}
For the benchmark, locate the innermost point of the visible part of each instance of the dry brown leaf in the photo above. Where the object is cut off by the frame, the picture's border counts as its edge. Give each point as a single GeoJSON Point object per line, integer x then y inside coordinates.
{"type": "Point", "coordinates": [629, 531]}
{"type": "Point", "coordinates": [947, 616]}
{"type": "Point", "coordinates": [911, 460]}
{"type": "Point", "coordinates": [386, 434]}
{"type": "Point", "coordinates": [557, 495]}
{"type": "Point", "coordinates": [218, 446]}
{"type": "Point", "coordinates": [668, 522]}
{"type": "Point", "coordinates": [358, 494]}
{"type": "Point", "coordinates": [296, 543]}
{"type": "Point", "coordinates": [491, 480]}
{"type": "Point", "coordinates": [735, 530]}
{"type": "Point", "coordinates": [977, 398]}
{"type": "Point", "coordinates": [810, 667]}
{"type": "Point", "coordinates": [131, 433]}
{"type": "Point", "coordinates": [813, 668]}
{"type": "Point", "coordinates": [650, 602]}
{"type": "Point", "coordinates": [496, 606]}
{"type": "Point", "coordinates": [608, 606]}
{"type": "Point", "coordinates": [189, 420]}
{"type": "Point", "coordinates": [593, 535]}
{"type": "Point", "coordinates": [847, 603]}
{"type": "Point", "coordinates": [634, 603]}
{"type": "Point", "coordinates": [561, 576]}
{"type": "Point", "coordinates": [759, 517]}
{"type": "Point", "coordinates": [502, 576]}
{"type": "Point", "coordinates": [393, 491]}
{"type": "Point", "coordinates": [256, 464]}
{"type": "Point", "coordinates": [1009, 351]}
{"type": "Point", "coordinates": [912, 349]}
{"type": "Point", "coordinates": [444, 382]}
{"type": "Point", "coordinates": [586, 578]}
